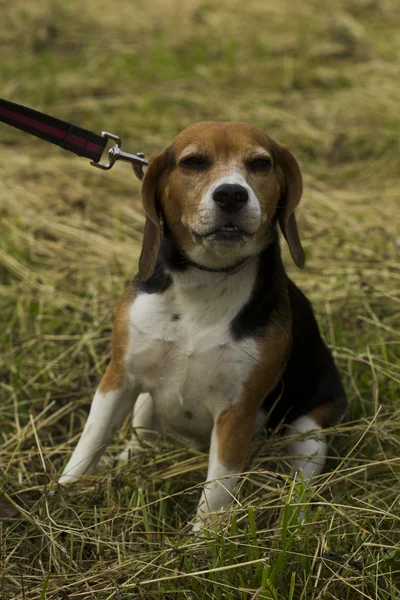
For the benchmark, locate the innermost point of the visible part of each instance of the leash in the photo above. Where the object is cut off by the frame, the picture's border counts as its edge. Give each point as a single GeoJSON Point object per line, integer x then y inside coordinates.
{"type": "Point", "coordinates": [70, 137]}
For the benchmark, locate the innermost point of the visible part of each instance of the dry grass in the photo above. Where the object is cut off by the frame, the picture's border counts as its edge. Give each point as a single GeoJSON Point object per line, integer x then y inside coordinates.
{"type": "Point", "coordinates": [323, 78]}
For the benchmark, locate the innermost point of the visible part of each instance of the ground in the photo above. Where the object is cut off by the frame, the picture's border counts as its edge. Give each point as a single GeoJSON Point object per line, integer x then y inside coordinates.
{"type": "Point", "coordinates": [321, 77]}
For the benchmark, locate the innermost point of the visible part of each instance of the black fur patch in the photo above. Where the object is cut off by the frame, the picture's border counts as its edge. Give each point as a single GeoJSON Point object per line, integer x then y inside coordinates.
{"type": "Point", "coordinates": [266, 297]}
{"type": "Point", "coordinates": [311, 377]}
{"type": "Point", "coordinates": [171, 256]}
{"type": "Point", "coordinates": [158, 283]}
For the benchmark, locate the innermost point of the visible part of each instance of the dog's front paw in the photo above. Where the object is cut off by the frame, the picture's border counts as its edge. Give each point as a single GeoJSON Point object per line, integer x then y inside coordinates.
{"type": "Point", "coordinates": [201, 523]}
{"type": "Point", "coordinates": [66, 479]}
{"type": "Point", "coordinates": [133, 448]}
{"type": "Point", "coordinates": [205, 520]}
{"type": "Point", "coordinates": [196, 527]}
{"type": "Point", "coordinates": [125, 455]}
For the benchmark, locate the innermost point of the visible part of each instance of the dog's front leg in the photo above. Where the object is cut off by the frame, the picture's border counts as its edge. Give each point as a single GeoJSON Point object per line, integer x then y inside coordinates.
{"type": "Point", "coordinates": [235, 424]}
{"type": "Point", "coordinates": [110, 406]}
{"type": "Point", "coordinates": [230, 440]}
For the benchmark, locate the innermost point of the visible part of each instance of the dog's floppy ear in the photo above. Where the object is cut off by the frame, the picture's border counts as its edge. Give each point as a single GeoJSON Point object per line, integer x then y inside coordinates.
{"type": "Point", "coordinates": [152, 228]}
{"type": "Point", "coordinates": [291, 185]}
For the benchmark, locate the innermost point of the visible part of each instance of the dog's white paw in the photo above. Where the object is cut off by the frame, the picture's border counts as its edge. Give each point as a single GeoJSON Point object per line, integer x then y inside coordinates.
{"type": "Point", "coordinates": [66, 479]}
{"type": "Point", "coordinates": [204, 520]}
{"type": "Point", "coordinates": [196, 527]}
{"type": "Point", "coordinates": [132, 449]}
{"type": "Point", "coordinates": [125, 455]}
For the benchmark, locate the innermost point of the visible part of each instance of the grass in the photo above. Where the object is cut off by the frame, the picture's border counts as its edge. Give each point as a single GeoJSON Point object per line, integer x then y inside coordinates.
{"type": "Point", "coordinates": [322, 77]}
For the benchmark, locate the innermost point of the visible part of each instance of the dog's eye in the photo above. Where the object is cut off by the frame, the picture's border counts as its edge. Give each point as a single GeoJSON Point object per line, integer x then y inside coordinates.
{"type": "Point", "coordinates": [260, 164]}
{"type": "Point", "coordinates": [194, 162]}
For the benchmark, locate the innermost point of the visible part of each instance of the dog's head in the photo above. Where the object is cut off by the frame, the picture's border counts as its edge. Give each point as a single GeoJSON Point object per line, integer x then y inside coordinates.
{"type": "Point", "coordinates": [220, 188]}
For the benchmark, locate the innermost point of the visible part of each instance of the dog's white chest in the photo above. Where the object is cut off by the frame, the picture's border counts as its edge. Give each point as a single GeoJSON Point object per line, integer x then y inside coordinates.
{"type": "Point", "coordinates": [189, 363]}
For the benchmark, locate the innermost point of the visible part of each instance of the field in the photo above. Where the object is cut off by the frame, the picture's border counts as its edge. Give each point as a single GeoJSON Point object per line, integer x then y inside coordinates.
{"type": "Point", "coordinates": [321, 77]}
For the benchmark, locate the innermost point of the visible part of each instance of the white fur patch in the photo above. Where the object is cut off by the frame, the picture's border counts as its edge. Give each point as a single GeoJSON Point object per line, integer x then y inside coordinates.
{"type": "Point", "coordinates": [309, 453]}
{"type": "Point", "coordinates": [144, 421]}
{"type": "Point", "coordinates": [191, 365]}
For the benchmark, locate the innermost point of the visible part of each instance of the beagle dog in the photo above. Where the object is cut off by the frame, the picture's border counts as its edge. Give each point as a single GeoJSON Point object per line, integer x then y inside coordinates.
{"type": "Point", "coordinates": [212, 341]}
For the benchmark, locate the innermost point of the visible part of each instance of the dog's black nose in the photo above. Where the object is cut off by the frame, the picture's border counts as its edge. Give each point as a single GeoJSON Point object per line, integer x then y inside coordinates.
{"type": "Point", "coordinates": [230, 197]}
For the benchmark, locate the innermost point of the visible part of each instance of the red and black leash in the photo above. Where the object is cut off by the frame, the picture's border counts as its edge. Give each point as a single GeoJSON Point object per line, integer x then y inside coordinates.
{"type": "Point", "coordinates": [69, 137]}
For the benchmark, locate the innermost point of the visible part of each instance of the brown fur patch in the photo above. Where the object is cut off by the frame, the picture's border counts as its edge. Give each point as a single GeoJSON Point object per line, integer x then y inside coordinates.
{"type": "Point", "coordinates": [235, 424]}
{"type": "Point", "coordinates": [329, 413]}
{"type": "Point", "coordinates": [114, 376]}
{"type": "Point", "coordinates": [158, 169]}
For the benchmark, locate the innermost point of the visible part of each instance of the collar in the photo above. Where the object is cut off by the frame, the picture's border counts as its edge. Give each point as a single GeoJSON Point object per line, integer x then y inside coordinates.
{"type": "Point", "coordinates": [230, 269]}
{"type": "Point", "coordinates": [175, 260]}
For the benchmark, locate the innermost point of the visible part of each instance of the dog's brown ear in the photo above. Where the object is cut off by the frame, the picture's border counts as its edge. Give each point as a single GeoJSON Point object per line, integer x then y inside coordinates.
{"type": "Point", "coordinates": [152, 228]}
{"type": "Point", "coordinates": [291, 184]}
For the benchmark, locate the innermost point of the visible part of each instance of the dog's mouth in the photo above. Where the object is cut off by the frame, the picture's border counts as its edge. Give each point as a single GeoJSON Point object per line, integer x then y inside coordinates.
{"type": "Point", "coordinates": [226, 234]}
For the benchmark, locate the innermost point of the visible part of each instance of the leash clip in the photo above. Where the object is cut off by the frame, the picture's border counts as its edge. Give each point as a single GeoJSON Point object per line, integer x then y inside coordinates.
{"type": "Point", "coordinates": [115, 153]}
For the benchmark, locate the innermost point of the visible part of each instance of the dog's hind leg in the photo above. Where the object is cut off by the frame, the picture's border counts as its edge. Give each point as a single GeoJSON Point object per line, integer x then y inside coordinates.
{"type": "Point", "coordinates": [145, 423]}
{"type": "Point", "coordinates": [308, 453]}
{"type": "Point", "coordinates": [111, 404]}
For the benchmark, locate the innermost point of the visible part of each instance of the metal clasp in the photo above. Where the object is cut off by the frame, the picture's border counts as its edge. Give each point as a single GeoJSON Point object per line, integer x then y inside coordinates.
{"type": "Point", "coordinates": [115, 153]}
